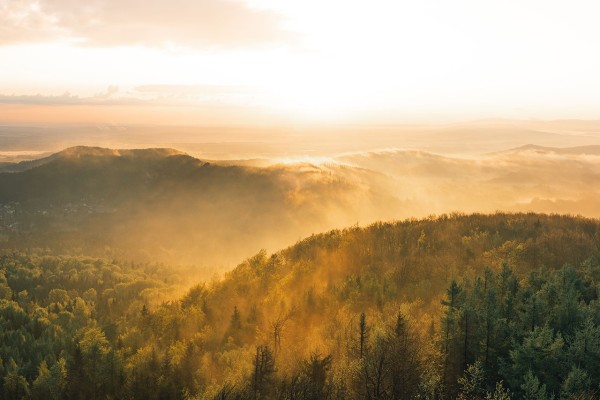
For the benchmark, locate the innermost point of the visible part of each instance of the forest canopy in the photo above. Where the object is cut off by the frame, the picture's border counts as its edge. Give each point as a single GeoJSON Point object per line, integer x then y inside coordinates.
{"type": "Point", "coordinates": [457, 306]}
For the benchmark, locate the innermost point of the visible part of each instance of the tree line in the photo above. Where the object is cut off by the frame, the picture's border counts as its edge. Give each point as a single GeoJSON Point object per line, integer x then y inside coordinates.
{"type": "Point", "coordinates": [461, 306]}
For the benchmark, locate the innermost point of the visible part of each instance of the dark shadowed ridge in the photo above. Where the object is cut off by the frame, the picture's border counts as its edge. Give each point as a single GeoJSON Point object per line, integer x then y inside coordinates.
{"type": "Point", "coordinates": [162, 204]}
{"type": "Point", "coordinates": [81, 172]}
{"type": "Point", "coordinates": [79, 152]}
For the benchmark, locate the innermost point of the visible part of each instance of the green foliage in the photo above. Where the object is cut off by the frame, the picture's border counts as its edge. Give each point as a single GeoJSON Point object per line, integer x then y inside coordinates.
{"type": "Point", "coordinates": [440, 308]}
{"type": "Point", "coordinates": [500, 393]}
{"type": "Point", "coordinates": [15, 387]}
{"type": "Point", "coordinates": [532, 389]}
{"type": "Point", "coordinates": [576, 385]}
{"type": "Point", "coordinates": [472, 383]}
{"type": "Point", "coordinates": [547, 350]}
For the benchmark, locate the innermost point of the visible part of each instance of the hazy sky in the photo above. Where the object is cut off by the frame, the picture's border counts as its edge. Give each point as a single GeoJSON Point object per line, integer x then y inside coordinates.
{"type": "Point", "coordinates": [259, 61]}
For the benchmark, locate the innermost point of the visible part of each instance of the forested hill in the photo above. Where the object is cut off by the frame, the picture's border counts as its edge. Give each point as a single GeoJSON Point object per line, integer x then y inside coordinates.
{"type": "Point", "coordinates": [164, 205]}
{"type": "Point", "coordinates": [93, 173]}
{"type": "Point", "coordinates": [459, 306]}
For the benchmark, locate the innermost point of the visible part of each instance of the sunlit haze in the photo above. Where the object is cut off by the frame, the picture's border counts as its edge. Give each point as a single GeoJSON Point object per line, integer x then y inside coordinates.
{"type": "Point", "coordinates": [300, 199]}
{"type": "Point", "coordinates": [313, 114]}
{"type": "Point", "coordinates": [266, 61]}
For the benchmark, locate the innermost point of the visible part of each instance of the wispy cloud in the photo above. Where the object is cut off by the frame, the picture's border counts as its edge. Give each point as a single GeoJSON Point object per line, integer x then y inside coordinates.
{"type": "Point", "coordinates": [194, 89]}
{"type": "Point", "coordinates": [191, 23]}
{"type": "Point", "coordinates": [69, 99]}
{"type": "Point", "coordinates": [196, 94]}
{"type": "Point", "coordinates": [143, 95]}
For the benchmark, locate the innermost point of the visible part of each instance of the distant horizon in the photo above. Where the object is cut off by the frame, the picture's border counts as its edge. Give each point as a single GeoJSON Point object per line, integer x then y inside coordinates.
{"type": "Point", "coordinates": [266, 61]}
{"type": "Point", "coordinates": [307, 140]}
{"type": "Point", "coordinates": [337, 199]}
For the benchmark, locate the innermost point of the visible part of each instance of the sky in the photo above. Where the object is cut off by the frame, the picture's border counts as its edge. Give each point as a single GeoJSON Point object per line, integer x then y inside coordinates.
{"type": "Point", "coordinates": [226, 62]}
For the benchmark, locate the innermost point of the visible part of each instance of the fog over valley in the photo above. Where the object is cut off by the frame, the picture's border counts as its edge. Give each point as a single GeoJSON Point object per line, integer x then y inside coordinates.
{"type": "Point", "coordinates": [299, 200]}
{"type": "Point", "coordinates": [177, 207]}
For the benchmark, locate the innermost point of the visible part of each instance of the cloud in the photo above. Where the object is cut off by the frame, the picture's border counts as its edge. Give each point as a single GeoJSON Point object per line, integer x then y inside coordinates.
{"type": "Point", "coordinates": [163, 95]}
{"type": "Point", "coordinates": [194, 89]}
{"type": "Point", "coordinates": [110, 91]}
{"type": "Point", "coordinates": [69, 99]}
{"type": "Point", "coordinates": [190, 23]}
{"type": "Point", "coordinates": [232, 94]}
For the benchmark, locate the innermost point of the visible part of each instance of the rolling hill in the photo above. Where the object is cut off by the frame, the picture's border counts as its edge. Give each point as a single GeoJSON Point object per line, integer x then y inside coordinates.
{"type": "Point", "coordinates": [472, 305]}
{"type": "Point", "coordinates": [164, 205]}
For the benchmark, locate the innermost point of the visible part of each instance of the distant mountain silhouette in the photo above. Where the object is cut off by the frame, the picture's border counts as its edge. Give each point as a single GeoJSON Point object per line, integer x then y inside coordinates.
{"type": "Point", "coordinates": [25, 165]}
{"type": "Point", "coordinates": [162, 204]}
{"type": "Point", "coordinates": [82, 152]}
{"type": "Point", "coordinates": [578, 150]}
{"type": "Point", "coordinates": [166, 205]}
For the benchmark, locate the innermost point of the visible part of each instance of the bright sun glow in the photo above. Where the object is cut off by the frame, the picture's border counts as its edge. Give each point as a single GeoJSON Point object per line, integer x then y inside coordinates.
{"type": "Point", "coordinates": [342, 60]}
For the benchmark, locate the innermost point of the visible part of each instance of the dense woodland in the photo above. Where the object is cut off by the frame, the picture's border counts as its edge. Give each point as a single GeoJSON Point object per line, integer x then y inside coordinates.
{"type": "Point", "coordinates": [501, 306]}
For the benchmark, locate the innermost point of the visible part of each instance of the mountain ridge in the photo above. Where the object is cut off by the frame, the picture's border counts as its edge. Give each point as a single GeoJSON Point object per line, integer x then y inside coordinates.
{"type": "Point", "coordinates": [166, 201]}
{"type": "Point", "coordinates": [575, 150]}
{"type": "Point", "coordinates": [78, 152]}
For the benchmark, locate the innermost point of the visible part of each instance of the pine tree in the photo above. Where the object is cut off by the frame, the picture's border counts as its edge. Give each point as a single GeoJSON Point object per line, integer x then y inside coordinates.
{"type": "Point", "coordinates": [316, 372]}
{"type": "Point", "coordinates": [263, 376]}
{"type": "Point", "coordinates": [405, 363]}
{"type": "Point", "coordinates": [532, 389]}
{"type": "Point", "coordinates": [15, 387]}
{"type": "Point", "coordinates": [451, 336]}
{"type": "Point", "coordinates": [472, 383]}
{"type": "Point", "coordinates": [363, 334]}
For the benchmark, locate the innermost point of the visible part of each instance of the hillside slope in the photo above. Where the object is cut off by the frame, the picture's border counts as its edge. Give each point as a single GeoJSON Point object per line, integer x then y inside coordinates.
{"type": "Point", "coordinates": [161, 204]}
{"type": "Point", "coordinates": [391, 311]}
